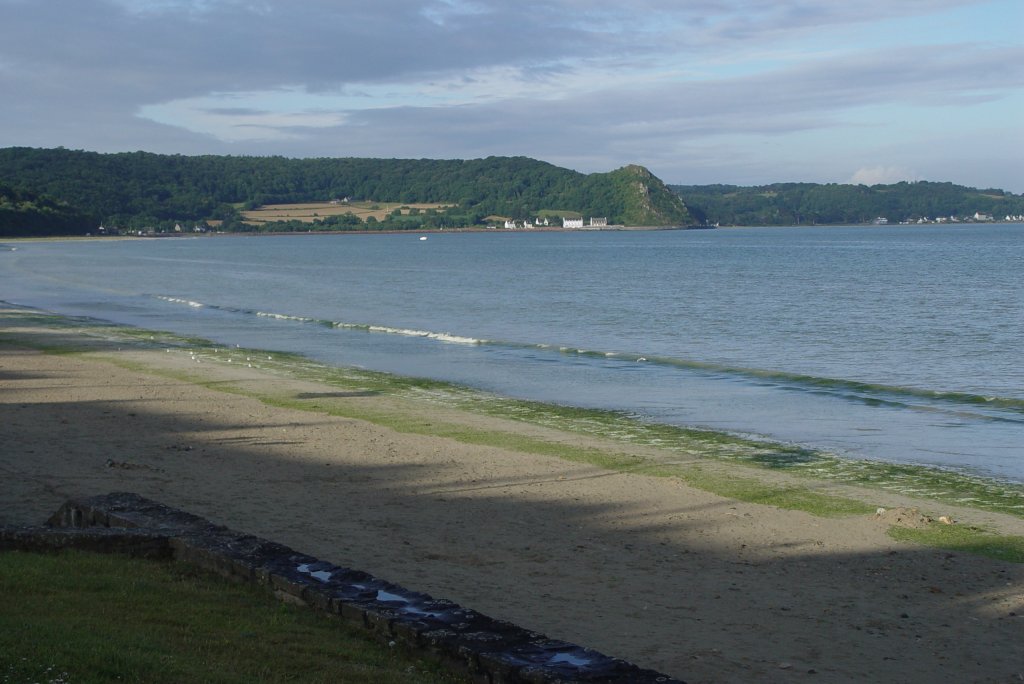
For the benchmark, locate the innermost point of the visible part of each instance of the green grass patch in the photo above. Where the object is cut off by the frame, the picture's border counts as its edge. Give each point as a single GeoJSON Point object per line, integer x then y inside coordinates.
{"type": "Point", "coordinates": [79, 617]}
{"type": "Point", "coordinates": [964, 539]}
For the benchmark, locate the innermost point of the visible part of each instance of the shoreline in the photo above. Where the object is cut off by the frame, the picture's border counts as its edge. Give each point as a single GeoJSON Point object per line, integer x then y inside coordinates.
{"type": "Point", "coordinates": [463, 505]}
{"type": "Point", "coordinates": [474, 229]}
{"type": "Point", "coordinates": [417, 231]}
{"type": "Point", "coordinates": [942, 489]}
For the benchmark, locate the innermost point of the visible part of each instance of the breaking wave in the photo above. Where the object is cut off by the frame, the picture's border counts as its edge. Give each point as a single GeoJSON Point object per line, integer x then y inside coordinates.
{"type": "Point", "coordinates": [180, 300]}
{"type": "Point", "coordinates": [366, 327]}
{"type": "Point", "coordinates": [876, 394]}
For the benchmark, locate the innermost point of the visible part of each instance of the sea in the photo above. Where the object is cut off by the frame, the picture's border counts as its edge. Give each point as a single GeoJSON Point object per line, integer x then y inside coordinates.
{"type": "Point", "coordinates": [899, 344]}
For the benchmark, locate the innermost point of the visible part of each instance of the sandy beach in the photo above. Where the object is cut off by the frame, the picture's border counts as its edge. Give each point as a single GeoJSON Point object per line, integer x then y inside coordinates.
{"type": "Point", "coordinates": [701, 587]}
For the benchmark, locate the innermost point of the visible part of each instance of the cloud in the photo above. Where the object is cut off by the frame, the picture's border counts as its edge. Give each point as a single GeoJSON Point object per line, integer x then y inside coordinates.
{"type": "Point", "coordinates": [756, 86]}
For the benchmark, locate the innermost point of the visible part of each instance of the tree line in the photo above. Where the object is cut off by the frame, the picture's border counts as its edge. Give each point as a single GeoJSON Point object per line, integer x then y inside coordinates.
{"type": "Point", "coordinates": [67, 192]}
{"type": "Point", "coordinates": [23, 212]}
{"type": "Point", "coordinates": [823, 204]}
{"type": "Point", "coordinates": [139, 190]}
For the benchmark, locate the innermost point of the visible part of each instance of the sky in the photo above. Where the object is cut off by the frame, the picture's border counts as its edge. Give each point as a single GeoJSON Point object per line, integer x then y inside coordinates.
{"type": "Point", "coordinates": [745, 92]}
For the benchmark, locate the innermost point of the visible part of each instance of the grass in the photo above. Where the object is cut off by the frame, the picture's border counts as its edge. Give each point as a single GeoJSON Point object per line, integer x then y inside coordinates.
{"type": "Point", "coordinates": [81, 617]}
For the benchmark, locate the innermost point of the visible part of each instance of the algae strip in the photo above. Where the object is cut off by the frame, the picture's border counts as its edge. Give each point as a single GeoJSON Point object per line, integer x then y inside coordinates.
{"type": "Point", "coordinates": [965, 539]}
{"type": "Point", "coordinates": [670, 444]}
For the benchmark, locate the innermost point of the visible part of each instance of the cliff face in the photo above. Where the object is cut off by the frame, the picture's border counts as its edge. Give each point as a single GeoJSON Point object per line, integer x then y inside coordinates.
{"type": "Point", "coordinates": [642, 199]}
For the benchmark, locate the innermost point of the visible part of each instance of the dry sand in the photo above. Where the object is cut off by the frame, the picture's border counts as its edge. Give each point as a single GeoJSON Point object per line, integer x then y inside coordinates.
{"type": "Point", "coordinates": [700, 587]}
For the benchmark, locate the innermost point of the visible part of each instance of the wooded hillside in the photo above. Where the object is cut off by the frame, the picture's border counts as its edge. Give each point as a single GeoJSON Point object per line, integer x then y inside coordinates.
{"type": "Point", "coordinates": [788, 204]}
{"type": "Point", "coordinates": [66, 192]}
{"type": "Point", "coordinates": [25, 213]}
{"type": "Point", "coordinates": [140, 189]}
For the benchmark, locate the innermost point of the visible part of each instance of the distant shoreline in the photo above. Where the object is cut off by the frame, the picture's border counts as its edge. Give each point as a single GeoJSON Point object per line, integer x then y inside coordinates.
{"type": "Point", "coordinates": [437, 231]}
{"type": "Point", "coordinates": [425, 231]}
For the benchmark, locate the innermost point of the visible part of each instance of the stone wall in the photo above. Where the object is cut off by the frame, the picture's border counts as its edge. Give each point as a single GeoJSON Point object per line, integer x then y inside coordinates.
{"type": "Point", "coordinates": [486, 650]}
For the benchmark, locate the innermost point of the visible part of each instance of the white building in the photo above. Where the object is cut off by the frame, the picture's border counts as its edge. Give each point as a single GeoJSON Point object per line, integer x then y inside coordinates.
{"type": "Point", "coordinates": [572, 222]}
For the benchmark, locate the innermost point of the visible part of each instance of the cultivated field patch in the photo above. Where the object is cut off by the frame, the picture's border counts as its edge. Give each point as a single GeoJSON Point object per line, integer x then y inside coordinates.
{"type": "Point", "coordinates": [308, 212]}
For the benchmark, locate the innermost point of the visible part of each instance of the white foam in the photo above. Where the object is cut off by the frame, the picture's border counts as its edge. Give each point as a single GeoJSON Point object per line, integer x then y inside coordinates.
{"type": "Point", "coordinates": [283, 317]}
{"type": "Point", "coordinates": [410, 332]}
{"type": "Point", "coordinates": [179, 300]}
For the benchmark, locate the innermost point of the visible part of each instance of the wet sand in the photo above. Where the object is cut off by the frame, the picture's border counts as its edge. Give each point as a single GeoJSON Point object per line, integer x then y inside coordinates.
{"type": "Point", "coordinates": [701, 587]}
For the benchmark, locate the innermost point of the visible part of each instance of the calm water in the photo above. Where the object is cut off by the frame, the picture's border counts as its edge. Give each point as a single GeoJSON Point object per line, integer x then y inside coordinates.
{"type": "Point", "coordinates": [890, 343]}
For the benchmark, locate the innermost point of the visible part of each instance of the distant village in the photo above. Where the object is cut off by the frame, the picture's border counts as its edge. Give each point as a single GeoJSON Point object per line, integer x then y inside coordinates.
{"type": "Point", "coordinates": [178, 230]}
{"type": "Point", "coordinates": [978, 217]}
{"type": "Point", "coordinates": [593, 223]}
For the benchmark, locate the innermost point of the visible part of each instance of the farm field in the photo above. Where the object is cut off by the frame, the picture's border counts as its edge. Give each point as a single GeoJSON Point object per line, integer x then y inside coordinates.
{"type": "Point", "coordinates": [311, 211]}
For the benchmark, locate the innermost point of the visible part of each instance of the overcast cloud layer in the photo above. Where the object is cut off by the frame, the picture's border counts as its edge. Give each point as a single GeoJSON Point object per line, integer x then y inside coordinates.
{"type": "Point", "coordinates": [708, 91]}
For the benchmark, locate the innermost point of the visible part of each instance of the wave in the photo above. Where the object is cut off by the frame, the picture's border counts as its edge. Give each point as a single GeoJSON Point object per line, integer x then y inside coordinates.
{"type": "Point", "coordinates": [180, 300]}
{"type": "Point", "coordinates": [868, 392]}
{"type": "Point", "coordinates": [876, 394]}
{"type": "Point", "coordinates": [366, 327]}
{"type": "Point", "coordinates": [407, 332]}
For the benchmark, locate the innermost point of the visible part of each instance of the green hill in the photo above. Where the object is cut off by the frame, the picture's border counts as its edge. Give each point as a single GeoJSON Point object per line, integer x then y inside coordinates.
{"type": "Point", "coordinates": [811, 203]}
{"type": "Point", "coordinates": [140, 189]}
{"type": "Point", "coordinates": [633, 196]}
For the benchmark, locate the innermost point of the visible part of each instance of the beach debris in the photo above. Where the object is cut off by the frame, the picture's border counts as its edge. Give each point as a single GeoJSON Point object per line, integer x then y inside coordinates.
{"type": "Point", "coordinates": [126, 465]}
{"type": "Point", "coordinates": [910, 517]}
{"type": "Point", "coordinates": [903, 517]}
{"type": "Point", "coordinates": [111, 463]}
